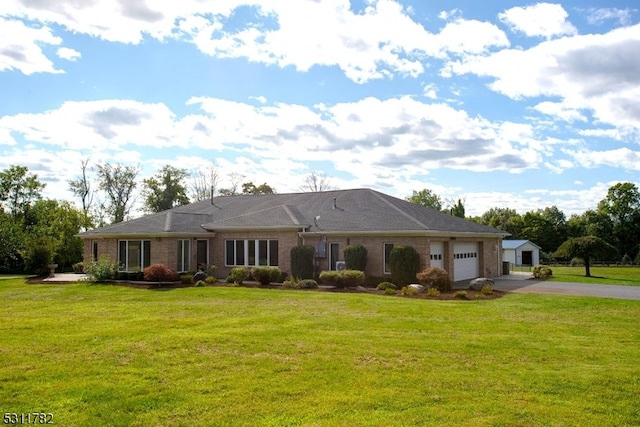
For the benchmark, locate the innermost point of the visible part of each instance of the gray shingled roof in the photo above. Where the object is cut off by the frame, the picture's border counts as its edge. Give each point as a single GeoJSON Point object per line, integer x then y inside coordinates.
{"type": "Point", "coordinates": [358, 211]}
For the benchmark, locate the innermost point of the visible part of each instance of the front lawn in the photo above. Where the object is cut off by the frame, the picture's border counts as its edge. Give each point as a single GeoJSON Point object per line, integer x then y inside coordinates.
{"type": "Point", "coordinates": [112, 355]}
{"type": "Point", "coordinates": [628, 276]}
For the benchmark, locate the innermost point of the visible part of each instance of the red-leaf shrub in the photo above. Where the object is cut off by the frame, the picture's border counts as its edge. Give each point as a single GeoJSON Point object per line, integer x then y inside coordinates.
{"type": "Point", "coordinates": [159, 273]}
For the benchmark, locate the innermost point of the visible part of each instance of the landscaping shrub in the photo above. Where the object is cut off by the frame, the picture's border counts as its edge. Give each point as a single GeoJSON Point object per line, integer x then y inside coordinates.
{"type": "Point", "coordinates": [342, 279]}
{"type": "Point", "coordinates": [78, 267]}
{"type": "Point", "coordinates": [383, 286]}
{"type": "Point", "coordinates": [404, 262]}
{"type": "Point", "coordinates": [406, 290]}
{"type": "Point", "coordinates": [460, 295]}
{"type": "Point", "coordinates": [435, 277]}
{"type": "Point", "coordinates": [542, 271]}
{"type": "Point", "coordinates": [307, 284]}
{"type": "Point", "coordinates": [351, 278]}
{"type": "Point", "coordinates": [200, 284]}
{"type": "Point", "coordinates": [329, 278]}
{"type": "Point", "coordinates": [159, 273]}
{"type": "Point", "coordinates": [355, 257]}
{"type": "Point", "coordinates": [37, 257]}
{"type": "Point", "coordinates": [266, 275]}
{"type": "Point", "coordinates": [102, 269]}
{"type": "Point", "coordinates": [239, 274]}
{"type": "Point", "coordinates": [432, 292]}
{"type": "Point", "coordinates": [302, 261]}
{"type": "Point", "coordinates": [487, 289]}
{"type": "Point", "coordinates": [210, 280]}
{"type": "Point", "coordinates": [390, 291]}
{"type": "Point", "coordinates": [185, 279]}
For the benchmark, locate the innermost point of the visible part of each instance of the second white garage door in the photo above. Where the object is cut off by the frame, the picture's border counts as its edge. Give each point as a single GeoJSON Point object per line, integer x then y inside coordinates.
{"type": "Point", "coordinates": [465, 261]}
{"type": "Point", "coordinates": [436, 254]}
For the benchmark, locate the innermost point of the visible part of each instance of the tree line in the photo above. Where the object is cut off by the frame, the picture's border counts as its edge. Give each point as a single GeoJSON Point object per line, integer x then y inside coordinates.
{"type": "Point", "coordinates": [610, 230]}
{"type": "Point", "coordinates": [38, 231]}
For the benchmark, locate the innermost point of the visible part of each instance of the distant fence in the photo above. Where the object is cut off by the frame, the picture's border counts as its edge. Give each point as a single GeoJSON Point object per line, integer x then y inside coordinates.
{"type": "Point", "coordinates": [513, 267]}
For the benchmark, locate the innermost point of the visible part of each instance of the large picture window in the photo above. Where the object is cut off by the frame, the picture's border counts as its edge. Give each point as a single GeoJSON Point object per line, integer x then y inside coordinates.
{"type": "Point", "coordinates": [184, 255]}
{"type": "Point", "coordinates": [134, 255]}
{"type": "Point", "coordinates": [249, 252]}
{"type": "Point", "coordinates": [388, 247]}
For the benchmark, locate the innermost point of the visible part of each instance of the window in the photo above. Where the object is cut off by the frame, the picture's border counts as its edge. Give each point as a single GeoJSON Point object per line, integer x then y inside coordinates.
{"type": "Point", "coordinates": [388, 247]}
{"type": "Point", "coordinates": [184, 255]}
{"type": "Point", "coordinates": [202, 253]}
{"type": "Point", "coordinates": [251, 252]}
{"type": "Point", "coordinates": [334, 255]}
{"type": "Point", "coordinates": [134, 255]}
{"type": "Point", "coordinates": [94, 250]}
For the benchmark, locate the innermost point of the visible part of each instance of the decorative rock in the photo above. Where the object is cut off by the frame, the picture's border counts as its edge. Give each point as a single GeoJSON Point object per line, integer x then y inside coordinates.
{"type": "Point", "coordinates": [200, 275]}
{"type": "Point", "coordinates": [361, 289]}
{"type": "Point", "coordinates": [477, 284]}
{"type": "Point", "coordinates": [418, 288]}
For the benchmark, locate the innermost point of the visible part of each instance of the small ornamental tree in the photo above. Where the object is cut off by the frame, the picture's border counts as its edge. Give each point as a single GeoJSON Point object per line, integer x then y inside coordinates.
{"type": "Point", "coordinates": [355, 257]}
{"type": "Point", "coordinates": [404, 262]}
{"type": "Point", "coordinates": [587, 248]}
{"type": "Point", "coordinates": [159, 273]}
{"type": "Point", "coordinates": [435, 277]}
{"type": "Point", "coordinates": [302, 261]}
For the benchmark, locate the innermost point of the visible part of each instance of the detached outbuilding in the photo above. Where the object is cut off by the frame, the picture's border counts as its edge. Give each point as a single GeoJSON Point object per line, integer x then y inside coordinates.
{"type": "Point", "coordinates": [520, 252]}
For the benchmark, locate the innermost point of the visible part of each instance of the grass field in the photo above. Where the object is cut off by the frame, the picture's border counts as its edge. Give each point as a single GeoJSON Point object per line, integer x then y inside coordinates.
{"type": "Point", "coordinates": [627, 276]}
{"type": "Point", "coordinates": [96, 355]}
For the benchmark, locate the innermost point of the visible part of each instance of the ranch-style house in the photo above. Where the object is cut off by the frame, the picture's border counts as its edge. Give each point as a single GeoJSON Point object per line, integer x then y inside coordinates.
{"type": "Point", "coordinates": [260, 230]}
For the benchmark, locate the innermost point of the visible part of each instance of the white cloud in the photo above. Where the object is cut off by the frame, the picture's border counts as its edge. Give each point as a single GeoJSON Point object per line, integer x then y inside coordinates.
{"type": "Point", "coordinates": [597, 16]}
{"type": "Point", "coordinates": [68, 54]}
{"type": "Point", "coordinates": [21, 47]}
{"type": "Point", "coordinates": [540, 20]}
{"type": "Point", "coordinates": [599, 74]}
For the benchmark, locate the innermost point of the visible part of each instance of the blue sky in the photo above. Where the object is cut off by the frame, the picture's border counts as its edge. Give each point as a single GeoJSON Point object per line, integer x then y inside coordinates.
{"type": "Point", "coordinates": [501, 104]}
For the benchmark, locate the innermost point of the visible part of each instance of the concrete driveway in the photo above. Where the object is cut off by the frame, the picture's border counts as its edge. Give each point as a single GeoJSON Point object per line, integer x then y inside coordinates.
{"type": "Point", "coordinates": [525, 284]}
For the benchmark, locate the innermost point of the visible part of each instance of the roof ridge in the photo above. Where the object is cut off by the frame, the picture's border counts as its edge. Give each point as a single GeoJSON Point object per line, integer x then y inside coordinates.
{"type": "Point", "coordinates": [412, 218]}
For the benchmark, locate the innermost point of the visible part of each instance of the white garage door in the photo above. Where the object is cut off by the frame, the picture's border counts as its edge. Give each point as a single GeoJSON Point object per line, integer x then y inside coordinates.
{"type": "Point", "coordinates": [436, 254]}
{"type": "Point", "coordinates": [465, 261]}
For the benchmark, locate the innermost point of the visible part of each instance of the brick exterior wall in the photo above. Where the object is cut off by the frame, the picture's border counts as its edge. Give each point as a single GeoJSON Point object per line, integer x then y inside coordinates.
{"type": "Point", "coordinates": [164, 250]}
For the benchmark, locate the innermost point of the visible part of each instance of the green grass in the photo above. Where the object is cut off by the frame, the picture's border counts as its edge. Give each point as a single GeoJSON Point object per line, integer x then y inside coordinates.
{"type": "Point", "coordinates": [628, 276]}
{"type": "Point", "coordinates": [108, 355]}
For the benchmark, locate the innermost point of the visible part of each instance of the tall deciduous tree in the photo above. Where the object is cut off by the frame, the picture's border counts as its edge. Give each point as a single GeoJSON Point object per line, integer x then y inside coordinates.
{"type": "Point", "coordinates": [427, 198]}
{"type": "Point", "coordinates": [81, 188]}
{"type": "Point", "coordinates": [622, 206]}
{"type": "Point", "coordinates": [165, 190]}
{"type": "Point", "coordinates": [19, 189]}
{"type": "Point", "coordinates": [315, 182]}
{"type": "Point", "coordinates": [204, 182]}
{"type": "Point", "coordinates": [588, 248]}
{"type": "Point", "coordinates": [457, 209]}
{"type": "Point", "coordinates": [118, 182]}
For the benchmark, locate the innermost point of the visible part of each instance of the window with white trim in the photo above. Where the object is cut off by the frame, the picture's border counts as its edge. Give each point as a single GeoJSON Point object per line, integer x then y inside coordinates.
{"type": "Point", "coordinates": [388, 247]}
{"type": "Point", "coordinates": [251, 252]}
{"type": "Point", "coordinates": [134, 255]}
{"type": "Point", "coordinates": [184, 255]}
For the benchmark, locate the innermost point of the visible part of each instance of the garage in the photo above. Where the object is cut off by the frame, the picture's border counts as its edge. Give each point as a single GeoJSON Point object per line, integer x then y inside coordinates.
{"type": "Point", "coordinates": [465, 261]}
{"type": "Point", "coordinates": [436, 254]}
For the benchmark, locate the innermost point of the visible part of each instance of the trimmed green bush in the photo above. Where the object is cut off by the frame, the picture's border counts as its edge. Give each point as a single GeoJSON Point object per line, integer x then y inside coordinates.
{"type": "Point", "coordinates": [266, 275]}
{"type": "Point", "coordinates": [185, 279]}
{"type": "Point", "coordinates": [210, 280]}
{"type": "Point", "coordinates": [307, 284]}
{"type": "Point", "coordinates": [302, 261]}
{"type": "Point", "coordinates": [487, 289]}
{"type": "Point", "coordinates": [435, 277]}
{"type": "Point", "coordinates": [383, 286]}
{"type": "Point", "coordinates": [542, 271]}
{"type": "Point", "coordinates": [355, 257]}
{"type": "Point", "coordinates": [342, 279]}
{"type": "Point", "coordinates": [390, 291]}
{"type": "Point", "coordinates": [200, 284]}
{"type": "Point", "coordinates": [37, 257]}
{"type": "Point", "coordinates": [239, 274]}
{"type": "Point", "coordinates": [432, 292]}
{"type": "Point", "coordinates": [460, 295]}
{"type": "Point", "coordinates": [404, 262]}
